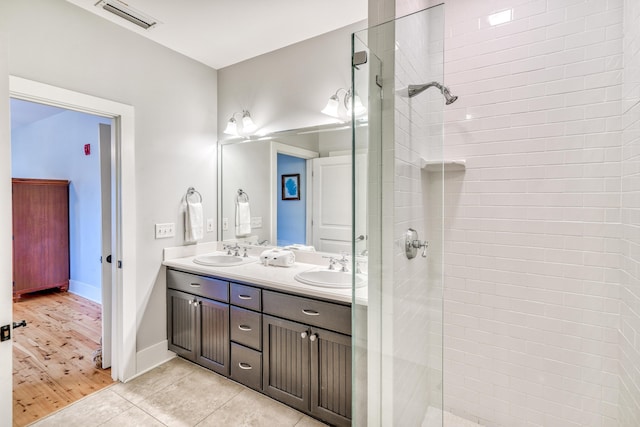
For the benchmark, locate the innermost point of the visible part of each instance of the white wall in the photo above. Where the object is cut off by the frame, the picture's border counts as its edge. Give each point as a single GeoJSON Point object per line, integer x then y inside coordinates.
{"type": "Point", "coordinates": [174, 97]}
{"type": "Point", "coordinates": [287, 88]}
{"type": "Point", "coordinates": [248, 167]}
{"type": "Point", "coordinates": [53, 148]}
{"type": "Point", "coordinates": [6, 301]}
{"type": "Point", "coordinates": [630, 215]}
{"type": "Point", "coordinates": [531, 229]}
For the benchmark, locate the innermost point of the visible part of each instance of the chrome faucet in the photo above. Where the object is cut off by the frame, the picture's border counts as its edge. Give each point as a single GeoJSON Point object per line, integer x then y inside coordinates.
{"type": "Point", "coordinates": [235, 248]}
{"type": "Point", "coordinates": [344, 262]}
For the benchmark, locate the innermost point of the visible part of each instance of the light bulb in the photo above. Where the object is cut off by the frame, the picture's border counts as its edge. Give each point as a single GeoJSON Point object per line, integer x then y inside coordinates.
{"type": "Point", "coordinates": [247, 123]}
{"type": "Point", "coordinates": [331, 108]}
{"type": "Point", "coordinates": [231, 128]}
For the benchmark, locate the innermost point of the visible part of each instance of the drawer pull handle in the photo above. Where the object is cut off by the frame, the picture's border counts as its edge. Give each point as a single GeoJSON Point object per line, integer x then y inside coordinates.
{"type": "Point", "coordinates": [244, 328]}
{"type": "Point", "coordinates": [195, 285]}
{"type": "Point", "coordinates": [245, 366]}
{"type": "Point", "coordinates": [310, 312]}
{"type": "Point", "coordinates": [244, 296]}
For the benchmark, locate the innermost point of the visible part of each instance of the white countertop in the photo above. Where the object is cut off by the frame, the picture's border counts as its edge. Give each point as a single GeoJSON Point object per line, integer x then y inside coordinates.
{"type": "Point", "coordinates": [277, 278]}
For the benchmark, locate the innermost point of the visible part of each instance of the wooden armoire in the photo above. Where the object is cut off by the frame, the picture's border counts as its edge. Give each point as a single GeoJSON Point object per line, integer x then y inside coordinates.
{"type": "Point", "coordinates": [40, 235]}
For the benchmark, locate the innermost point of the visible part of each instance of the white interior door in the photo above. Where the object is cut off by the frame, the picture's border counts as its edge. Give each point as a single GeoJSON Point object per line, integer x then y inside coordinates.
{"type": "Point", "coordinates": [107, 152]}
{"type": "Point", "coordinates": [332, 204]}
{"type": "Point", "coordinates": [6, 297]}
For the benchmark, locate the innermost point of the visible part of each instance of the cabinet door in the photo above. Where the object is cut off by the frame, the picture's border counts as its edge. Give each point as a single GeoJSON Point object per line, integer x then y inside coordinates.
{"type": "Point", "coordinates": [212, 332]}
{"type": "Point", "coordinates": [331, 377]}
{"type": "Point", "coordinates": [181, 312]}
{"type": "Point", "coordinates": [285, 362]}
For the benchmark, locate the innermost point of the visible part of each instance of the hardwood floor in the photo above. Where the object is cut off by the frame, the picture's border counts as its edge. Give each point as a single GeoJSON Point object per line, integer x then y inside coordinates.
{"type": "Point", "coordinates": [53, 356]}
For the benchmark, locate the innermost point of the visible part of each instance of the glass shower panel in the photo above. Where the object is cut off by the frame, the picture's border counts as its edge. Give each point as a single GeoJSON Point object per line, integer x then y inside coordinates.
{"type": "Point", "coordinates": [398, 330]}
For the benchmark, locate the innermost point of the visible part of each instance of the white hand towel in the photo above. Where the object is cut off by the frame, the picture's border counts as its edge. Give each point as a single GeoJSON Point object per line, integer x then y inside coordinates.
{"type": "Point", "coordinates": [194, 222]}
{"type": "Point", "coordinates": [243, 219]}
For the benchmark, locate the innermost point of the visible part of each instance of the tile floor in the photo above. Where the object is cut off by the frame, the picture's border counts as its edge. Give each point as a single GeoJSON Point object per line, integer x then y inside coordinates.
{"type": "Point", "coordinates": [178, 393]}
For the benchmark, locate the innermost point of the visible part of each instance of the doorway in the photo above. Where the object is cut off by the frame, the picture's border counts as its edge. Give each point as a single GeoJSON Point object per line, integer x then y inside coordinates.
{"type": "Point", "coordinates": [123, 363]}
{"type": "Point", "coordinates": [58, 357]}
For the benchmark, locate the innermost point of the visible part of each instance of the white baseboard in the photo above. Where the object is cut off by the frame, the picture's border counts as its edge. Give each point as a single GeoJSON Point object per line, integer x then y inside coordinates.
{"type": "Point", "coordinates": [86, 290]}
{"type": "Point", "coordinates": [151, 357]}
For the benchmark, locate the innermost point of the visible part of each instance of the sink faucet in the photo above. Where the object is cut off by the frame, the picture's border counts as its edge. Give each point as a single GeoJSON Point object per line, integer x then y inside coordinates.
{"type": "Point", "coordinates": [229, 248]}
{"type": "Point", "coordinates": [344, 262]}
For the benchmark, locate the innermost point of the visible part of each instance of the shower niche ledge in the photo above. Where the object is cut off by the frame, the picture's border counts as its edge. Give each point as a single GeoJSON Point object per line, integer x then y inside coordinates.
{"type": "Point", "coordinates": [449, 165]}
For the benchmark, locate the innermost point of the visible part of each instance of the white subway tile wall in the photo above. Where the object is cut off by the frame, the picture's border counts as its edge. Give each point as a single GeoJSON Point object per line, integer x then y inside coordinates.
{"type": "Point", "coordinates": [629, 394]}
{"type": "Point", "coordinates": [417, 283]}
{"type": "Point", "coordinates": [542, 237]}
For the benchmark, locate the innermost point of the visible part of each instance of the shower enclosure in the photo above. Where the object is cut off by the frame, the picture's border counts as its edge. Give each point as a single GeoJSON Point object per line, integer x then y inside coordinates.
{"type": "Point", "coordinates": [398, 72]}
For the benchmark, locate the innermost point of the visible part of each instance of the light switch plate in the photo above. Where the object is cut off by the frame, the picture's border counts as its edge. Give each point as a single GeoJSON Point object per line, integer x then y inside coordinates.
{"type": "Point", "coordinates": [210, 225]}
{"type": "Point", "coordinates": [225, 224]}
{"type": "Point", "coordinates": [165, 230]}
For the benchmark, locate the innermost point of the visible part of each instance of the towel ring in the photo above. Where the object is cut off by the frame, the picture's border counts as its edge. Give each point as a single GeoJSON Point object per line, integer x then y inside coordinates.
{"type": "Point", "coordinates": [242, 197]}
{"type": "Point", "coordinates": [191, 192]}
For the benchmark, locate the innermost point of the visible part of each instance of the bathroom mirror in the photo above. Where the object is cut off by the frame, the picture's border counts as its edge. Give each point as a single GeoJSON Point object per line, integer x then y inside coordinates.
{"type": "Point", "coordinates": [298, 184]}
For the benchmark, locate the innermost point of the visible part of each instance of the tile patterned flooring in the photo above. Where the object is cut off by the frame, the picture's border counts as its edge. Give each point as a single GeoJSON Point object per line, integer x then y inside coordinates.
{"type": "Point", "coordinates": [178, 393]}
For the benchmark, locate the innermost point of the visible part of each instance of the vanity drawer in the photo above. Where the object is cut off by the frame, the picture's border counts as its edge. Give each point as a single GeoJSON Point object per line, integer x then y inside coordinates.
{"type": "Point", "coordinates": [246, 296]}
{"type": "Point", "coordinates": [198, 285]}
{"type": "Point", "coordinates": [246, 327]}
{"type": "Point", "coordinates": [246, 366]}
{"type": "Point", "coordinates": [325, 315]}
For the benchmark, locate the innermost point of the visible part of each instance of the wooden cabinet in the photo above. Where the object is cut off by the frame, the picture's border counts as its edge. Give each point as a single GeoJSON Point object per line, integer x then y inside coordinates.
{"type": "Point", "coordinates": [198, 327]}
{"type": "Point", "coordinates": [306, 366]}
{"type": "Point", "coordinates": [292, 348]}
{"type": "Point", "coordinates": [40, 235]}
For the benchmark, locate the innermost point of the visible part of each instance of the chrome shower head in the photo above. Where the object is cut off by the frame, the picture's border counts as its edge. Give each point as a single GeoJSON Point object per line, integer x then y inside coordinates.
{"type": "Point", "coordinates": [449, 99]}
{"type": "Point", "coordinates": [413, 90]}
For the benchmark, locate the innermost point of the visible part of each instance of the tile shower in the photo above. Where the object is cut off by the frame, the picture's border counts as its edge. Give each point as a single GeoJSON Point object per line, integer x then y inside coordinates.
{"type": "Point", "coordinates": [541, 253]}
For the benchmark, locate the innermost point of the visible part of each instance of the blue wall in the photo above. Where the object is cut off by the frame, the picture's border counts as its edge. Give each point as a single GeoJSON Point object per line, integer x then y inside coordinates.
{"type": "Point", "coordinates": [292, 214]}
{"type": "Point", "coordinates": [53, 148]}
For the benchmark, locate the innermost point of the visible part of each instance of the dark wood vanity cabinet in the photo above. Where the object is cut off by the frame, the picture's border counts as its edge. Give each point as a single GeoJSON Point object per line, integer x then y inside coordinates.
{"type": "Point", "coordinates": [292, 348]}
{"type": "Point", "coordinates": [306, 366]}
{"type": "Point", "coordinates": [198, 327]}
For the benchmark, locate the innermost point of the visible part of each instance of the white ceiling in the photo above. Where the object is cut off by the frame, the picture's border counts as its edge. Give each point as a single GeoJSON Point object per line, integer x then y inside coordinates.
{"type": "Point", "coordinates": [220, 33]}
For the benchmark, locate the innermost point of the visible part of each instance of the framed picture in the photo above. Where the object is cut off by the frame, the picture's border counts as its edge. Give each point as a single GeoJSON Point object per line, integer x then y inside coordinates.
{"type": "Point", "coordinates": [291, 187]}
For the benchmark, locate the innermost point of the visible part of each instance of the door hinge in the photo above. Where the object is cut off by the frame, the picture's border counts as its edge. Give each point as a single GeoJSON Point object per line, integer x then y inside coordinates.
{"type": "Point", "coordinates": [359, 58]}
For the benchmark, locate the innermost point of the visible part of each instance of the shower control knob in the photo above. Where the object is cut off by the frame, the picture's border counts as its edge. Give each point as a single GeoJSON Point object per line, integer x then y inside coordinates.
{"type": "Point", "coordinates": [412, 244]}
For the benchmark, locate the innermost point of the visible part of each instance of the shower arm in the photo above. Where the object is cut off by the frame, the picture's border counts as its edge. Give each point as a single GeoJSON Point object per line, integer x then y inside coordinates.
{"type": "Point", "coordinates": [416, 89]}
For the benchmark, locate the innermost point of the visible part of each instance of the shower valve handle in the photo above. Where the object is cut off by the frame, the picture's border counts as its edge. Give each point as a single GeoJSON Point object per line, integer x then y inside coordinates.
{"type": "Point", "coordinates": [421, 244]}
{"type": "Point", "coordinates": [412, 244]}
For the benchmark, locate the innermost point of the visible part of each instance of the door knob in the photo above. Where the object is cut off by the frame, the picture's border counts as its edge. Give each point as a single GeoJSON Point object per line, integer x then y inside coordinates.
{"type": "Point", "coordinates": [109, 259]}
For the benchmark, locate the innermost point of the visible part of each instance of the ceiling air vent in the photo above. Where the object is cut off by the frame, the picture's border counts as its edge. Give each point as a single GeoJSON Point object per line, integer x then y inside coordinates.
{"type": "Point", "coordinates": [125, 11]}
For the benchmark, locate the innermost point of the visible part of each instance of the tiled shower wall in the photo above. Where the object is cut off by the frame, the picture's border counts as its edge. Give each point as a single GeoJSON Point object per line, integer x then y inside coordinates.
{"type": "Point", "coordinates": [417, 283]}
{"type": "Point", "coordinates": [533, 227]}
{"type": "Point", "coordinates": [630, 215]}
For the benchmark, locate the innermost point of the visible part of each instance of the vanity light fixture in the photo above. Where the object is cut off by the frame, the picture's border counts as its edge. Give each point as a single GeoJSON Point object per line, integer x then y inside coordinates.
{"type": "Point", "coordinates": [248, 126]}
{"type": "Point", "coordinates": [334, 107]}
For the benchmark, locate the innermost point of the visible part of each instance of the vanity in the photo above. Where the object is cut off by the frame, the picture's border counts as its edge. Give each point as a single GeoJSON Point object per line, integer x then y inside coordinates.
{"type": "Point", "coordinates": [260, 327]}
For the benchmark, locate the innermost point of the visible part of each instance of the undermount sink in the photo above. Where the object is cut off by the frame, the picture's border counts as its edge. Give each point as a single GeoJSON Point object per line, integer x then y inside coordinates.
{"type": "Point", "coordinates": [330, 279]}
{"type": "Point", "coordinates": [222, 260]}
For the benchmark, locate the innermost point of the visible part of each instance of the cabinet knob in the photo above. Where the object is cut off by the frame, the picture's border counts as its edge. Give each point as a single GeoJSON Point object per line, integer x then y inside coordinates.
{"type": "Point", "coordinates": [313, 337]}
{"type": "Point", "coordinates": [303, 335]}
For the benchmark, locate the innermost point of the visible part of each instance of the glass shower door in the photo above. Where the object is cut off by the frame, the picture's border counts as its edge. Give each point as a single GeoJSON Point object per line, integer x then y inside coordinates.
{"type": "Point", "coordinates": [397, 325]}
